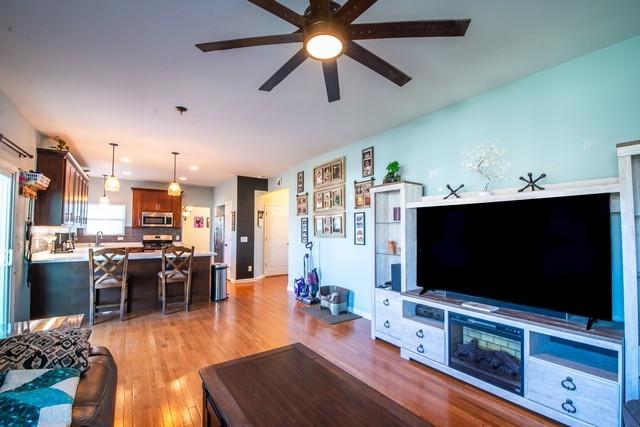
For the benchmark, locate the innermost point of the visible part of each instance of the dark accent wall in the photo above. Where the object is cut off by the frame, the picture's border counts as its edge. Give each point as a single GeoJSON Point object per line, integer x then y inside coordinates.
{"type": "Point", "coordinates": [247, 187]}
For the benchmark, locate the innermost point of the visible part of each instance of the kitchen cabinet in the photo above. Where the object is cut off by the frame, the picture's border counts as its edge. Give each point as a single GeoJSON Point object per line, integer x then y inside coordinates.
{"type": "Point", "coordinates": [66, 200]}
{"type": "Point", "coordinates": [153, 200]}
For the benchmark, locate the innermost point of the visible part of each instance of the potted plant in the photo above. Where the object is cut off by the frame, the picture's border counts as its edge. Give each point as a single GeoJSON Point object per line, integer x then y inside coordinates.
{"type": "Point", "coordinates": [393, 175]}
{"type": "Point", "coordinates": [488, 161]}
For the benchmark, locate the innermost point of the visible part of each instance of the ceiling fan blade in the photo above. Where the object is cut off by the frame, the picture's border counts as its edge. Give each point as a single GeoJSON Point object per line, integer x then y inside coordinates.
{"type": "Point", "coordinates": [281, 11]}
{"type": "Point", "coordinates": [284, 71]}
{"type": "Point", "coordinates": [388, 30]}
{"type": "Point", "coordinates": [377, 64]}
{"type": "Point", "coordinates": [330, 71]}
{"type": "Point", "coordinates": [351, 10]}
{"type": "Point", "coordinates": [320, 8]}
{"type": "Point", "coordinates": [251, 41]}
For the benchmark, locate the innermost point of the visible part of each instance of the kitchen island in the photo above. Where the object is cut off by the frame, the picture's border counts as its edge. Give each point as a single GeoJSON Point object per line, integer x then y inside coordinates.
{"type": "Point", "coordinates": [60, 282]}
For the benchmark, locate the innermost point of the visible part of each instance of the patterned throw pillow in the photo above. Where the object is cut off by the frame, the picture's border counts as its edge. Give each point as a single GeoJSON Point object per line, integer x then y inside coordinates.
{"type": "Point", "coordinates": [49, 349]}
{"type": "Point", "coordinates": [38, 397]}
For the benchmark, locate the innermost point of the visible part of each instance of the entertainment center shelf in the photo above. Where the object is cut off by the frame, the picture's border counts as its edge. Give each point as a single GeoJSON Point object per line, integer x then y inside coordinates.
{"type": "Point", "coordinates": [577, 188]}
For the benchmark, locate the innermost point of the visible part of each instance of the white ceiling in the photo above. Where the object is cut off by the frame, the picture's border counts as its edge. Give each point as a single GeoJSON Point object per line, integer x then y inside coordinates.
{"type": "Point", "coordinates": [99, 71]}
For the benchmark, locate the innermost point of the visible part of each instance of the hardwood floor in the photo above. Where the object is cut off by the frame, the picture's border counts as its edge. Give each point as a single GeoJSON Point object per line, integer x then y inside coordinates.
{"type": "Point", "coordinates": [159, 356]}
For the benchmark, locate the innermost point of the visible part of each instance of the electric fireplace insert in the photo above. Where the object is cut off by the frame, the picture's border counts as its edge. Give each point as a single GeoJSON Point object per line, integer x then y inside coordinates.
{"type": "Point", "coordinates": [488, 351]}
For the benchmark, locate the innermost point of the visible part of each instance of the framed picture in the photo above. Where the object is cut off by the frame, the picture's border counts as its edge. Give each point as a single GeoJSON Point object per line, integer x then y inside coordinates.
{"type": "Point", "coordinates": [300, 182]}
{"type": "Point", "coordinates": [329, 199]}
{"type": "Point", "coordinates": [329, 174]}
{"type": "Point", "coordinates": [330, 225]}
{"type": "Point", "coordinates": [362, 191]}
{"type": "Point", "coordinates": [304, 230]}
{"type": "Point", "coordinates": [198, 222]}
{"type": "Point", "coordinates": [302, 204]}
{"type": "Point", "coordinates": [359, 237]}
{"type": "Point", "coordinates": [367, 162]}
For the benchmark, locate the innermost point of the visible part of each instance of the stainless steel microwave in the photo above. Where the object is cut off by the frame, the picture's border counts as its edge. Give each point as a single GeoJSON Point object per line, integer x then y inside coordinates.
{"type": "Point", "coordinates": [157, 219]}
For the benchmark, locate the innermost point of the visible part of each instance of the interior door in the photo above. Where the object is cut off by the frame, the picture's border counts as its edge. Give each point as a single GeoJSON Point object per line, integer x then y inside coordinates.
{"type": "Point", "coordinates": [276, 239]}
{"type": "Point", "coordinates": [196, 230]}
{"type": "Point", "coordinates": [6, 243]}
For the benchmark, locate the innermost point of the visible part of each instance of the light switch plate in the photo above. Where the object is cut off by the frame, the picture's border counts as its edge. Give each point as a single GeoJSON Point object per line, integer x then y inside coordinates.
{"type": "Point", "coordinates": [244, 239]}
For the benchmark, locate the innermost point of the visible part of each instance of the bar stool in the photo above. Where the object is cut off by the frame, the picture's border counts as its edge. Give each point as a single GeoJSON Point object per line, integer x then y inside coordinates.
{"type": "Point", "coordinates": [108, 270]}
{"type": "Point", "coordinates": [176, 268]}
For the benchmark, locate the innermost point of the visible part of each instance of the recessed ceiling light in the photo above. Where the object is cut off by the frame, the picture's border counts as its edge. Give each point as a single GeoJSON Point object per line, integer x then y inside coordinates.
{"type": "Point", "coordinates": [125, 159]}
{"type": "Point", "coordinates": [182, 178]}
{"type": "Point", "coordinates": [126, 173]}
{"type": "Point", "coordinates": [193, 168]}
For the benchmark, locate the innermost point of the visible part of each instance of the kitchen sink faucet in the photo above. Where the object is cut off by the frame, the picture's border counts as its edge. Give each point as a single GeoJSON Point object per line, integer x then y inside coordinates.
{"type": "Point", "coordinates": [99, 236]}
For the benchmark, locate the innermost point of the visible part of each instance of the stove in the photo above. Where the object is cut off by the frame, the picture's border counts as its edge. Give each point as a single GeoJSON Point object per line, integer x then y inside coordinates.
{"type": "Point", "coordinates": [155, 242]}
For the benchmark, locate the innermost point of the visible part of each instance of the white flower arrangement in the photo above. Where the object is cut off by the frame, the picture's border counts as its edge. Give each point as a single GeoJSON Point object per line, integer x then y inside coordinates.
{"type": "Point", "coordinates": [487, 160]}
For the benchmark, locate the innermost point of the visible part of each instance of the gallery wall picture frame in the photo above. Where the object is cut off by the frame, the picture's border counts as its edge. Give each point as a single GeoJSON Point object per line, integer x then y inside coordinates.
{"type": "Point", "coordinates": [359, 229]}
{"type": "Point", "coordinates": [329, 225]}
{"type": "Point", "coordinates": [362, 192]}
{"type": "Point", "coordinates": [329, 174]}
{"type": "Point", "coordinates": [300, 182]}
{"type": "Point", "coordinates": [302, 204]}
{"type": "Point", "coordinates": [367, 162]}
{"type": "Point", "coordinates": [304, 230]}
{"type": "Point", "coordinates": [329, 199]}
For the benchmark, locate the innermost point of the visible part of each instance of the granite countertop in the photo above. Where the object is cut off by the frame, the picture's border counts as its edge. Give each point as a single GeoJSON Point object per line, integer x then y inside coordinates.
{"type": "Point", "coordinates": [81, 253]}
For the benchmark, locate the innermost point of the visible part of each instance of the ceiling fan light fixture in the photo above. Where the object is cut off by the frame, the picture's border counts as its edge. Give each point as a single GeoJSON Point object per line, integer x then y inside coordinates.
{"type": "Point", "coordinates": [324, 41]}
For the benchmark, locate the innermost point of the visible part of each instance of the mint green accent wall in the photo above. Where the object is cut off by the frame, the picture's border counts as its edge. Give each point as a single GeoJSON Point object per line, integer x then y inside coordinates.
{"type": "Point", "coordinates": [564, 121]}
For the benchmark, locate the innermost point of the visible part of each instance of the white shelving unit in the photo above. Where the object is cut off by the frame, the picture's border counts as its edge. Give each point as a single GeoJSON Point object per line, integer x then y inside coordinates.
{"type": "Point", "coordinates": [629, 172]}
{"type": "Point", "coordinates": [386, 314]}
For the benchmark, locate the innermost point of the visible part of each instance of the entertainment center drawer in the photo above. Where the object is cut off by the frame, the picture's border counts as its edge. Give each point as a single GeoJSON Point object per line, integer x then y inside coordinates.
{"type": "Point", "coordinates": [388, 299]}
{"type": "Point", "coordinates": [424, 340]}
{"type": "Point", "coordinates": [573, 393]}
{"type": "Point", "coordinates": [390, 325]}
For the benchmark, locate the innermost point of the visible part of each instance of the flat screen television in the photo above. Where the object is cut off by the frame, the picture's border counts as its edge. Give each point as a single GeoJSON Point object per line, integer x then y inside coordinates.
{"type": "Point", "coordinates": [552, 254]}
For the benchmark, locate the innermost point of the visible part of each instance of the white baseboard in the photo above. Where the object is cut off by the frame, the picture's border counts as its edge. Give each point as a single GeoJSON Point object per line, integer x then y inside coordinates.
{"type": "Point", "coordinates": [359, 312]}
{"type": "Point", "coordinates": [242, 280]}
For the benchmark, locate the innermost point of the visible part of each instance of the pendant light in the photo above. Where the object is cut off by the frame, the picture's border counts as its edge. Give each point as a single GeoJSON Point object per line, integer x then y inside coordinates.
{"type": "Point", "coordinates": [112, 184]}
{"type": "Point", "coordinates": [174, 187]}
{"type": "Point", "coordinates": [104, 200]}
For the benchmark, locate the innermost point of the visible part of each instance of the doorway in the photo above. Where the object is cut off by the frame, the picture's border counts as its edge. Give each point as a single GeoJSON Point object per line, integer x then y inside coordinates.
{"type": "Point", "coordinates": [276, 233]}
{"type": "Point", "coordinates": [196, 229]}
{"type": "Point", "coordinates": [6, 242]}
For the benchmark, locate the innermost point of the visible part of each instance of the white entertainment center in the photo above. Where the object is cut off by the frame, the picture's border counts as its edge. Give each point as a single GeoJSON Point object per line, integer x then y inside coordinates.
{"type": "Point", "coordinates": [567, 373]}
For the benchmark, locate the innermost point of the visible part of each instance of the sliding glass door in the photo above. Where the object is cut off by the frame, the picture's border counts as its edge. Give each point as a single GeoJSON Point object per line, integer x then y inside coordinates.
{"type": "Point", "coordinates": [6, 216]}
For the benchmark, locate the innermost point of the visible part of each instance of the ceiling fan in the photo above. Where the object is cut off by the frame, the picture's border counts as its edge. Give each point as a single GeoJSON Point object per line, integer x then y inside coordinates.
{"type": "Point", "coordinates": [326, 31]}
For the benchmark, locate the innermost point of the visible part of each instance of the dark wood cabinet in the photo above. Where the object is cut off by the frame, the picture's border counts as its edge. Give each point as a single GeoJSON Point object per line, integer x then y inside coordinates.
{"type": "Point", "coordinates": [153, 200]}
{"type": "Point", "coordinates": [66, 201]}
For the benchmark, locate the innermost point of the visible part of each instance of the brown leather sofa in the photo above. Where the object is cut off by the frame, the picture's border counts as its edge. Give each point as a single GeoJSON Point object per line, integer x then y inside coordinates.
{"type": "Point", "coordinates": [95, 401]}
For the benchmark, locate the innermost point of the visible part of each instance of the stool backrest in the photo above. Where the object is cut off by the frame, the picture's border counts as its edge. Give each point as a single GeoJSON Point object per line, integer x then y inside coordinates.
{"type": "Point", "coordinates": [177, 259]}
{"type": "Point", "coordinates": [108, 263]}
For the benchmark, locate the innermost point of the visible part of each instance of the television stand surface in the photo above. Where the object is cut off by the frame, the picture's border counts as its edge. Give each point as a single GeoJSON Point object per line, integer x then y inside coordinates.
{"type": "Point", "coordinates": [480, 306]}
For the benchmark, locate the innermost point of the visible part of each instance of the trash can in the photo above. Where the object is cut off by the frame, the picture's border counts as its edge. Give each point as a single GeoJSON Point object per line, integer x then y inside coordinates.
{"type": "Point", "coordinates": [218, 282]}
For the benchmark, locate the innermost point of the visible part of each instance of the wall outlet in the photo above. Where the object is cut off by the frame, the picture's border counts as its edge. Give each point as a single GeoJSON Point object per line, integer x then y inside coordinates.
{"type": "Point", "coordinates": [178, 237]}
{"type": "Point", "coordinates": [244, 239]}
{"type": "Point", "coordinates": [120, 238]}
{"type": "Point", "coordinates": [250, 268]}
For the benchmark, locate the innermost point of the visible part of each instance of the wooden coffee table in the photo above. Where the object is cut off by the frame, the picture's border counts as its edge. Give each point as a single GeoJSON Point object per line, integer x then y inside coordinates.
{"type": "Point", "coordinates": [294, 386]}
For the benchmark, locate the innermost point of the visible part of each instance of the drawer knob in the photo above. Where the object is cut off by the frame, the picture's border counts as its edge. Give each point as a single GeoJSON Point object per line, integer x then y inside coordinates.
{"type": "Point", "coordinates": [420, 334]}
{"type": "Point", "coordinates": [386, 302]}
{"type": "Point", "coordinates": [420, 349]}
{"type": "Point", "coordinates": [568, 407]}
{"type": "Point", "coordinates": [387, 324]}
{"type": "Point", "coordinates": [568, 384]}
